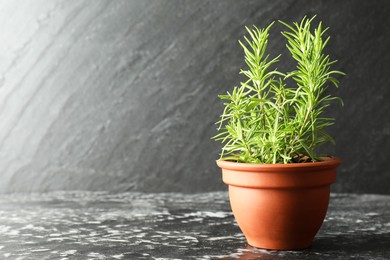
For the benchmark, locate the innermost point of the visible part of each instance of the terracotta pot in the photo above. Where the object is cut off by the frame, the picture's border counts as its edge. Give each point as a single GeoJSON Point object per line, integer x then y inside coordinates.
{"type": "Point", "coordinates": [280, 206]}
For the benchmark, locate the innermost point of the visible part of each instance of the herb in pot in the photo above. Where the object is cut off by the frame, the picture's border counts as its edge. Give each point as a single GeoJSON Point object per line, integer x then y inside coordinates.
{"type": "Point", "coordinates": [267, 121]}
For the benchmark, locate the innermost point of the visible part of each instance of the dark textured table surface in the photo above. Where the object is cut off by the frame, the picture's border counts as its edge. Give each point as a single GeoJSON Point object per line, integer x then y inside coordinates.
{"type": "Point", "coordinates": [99, 225]}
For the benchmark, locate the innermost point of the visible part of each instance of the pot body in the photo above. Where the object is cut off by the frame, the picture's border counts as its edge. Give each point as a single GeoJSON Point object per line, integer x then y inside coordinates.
{"type": "Point", "coordinates": [279, 206]}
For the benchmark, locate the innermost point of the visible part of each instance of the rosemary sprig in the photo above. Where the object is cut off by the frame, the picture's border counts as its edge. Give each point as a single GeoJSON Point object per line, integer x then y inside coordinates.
{"type": "Point", "coordinates": [264, 121]}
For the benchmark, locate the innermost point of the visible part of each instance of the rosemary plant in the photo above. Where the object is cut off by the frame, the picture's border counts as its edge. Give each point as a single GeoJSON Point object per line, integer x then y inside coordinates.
{"type": "Point", "coordinates": [266, 121]}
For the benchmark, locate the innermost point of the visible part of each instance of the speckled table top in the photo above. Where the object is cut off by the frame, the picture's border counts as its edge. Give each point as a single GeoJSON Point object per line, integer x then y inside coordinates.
{"type": "Point", "coordinates": [100, 225]}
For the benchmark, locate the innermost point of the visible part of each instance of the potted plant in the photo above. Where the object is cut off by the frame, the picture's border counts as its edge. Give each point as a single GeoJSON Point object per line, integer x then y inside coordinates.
{"type": "Point", "coordinates": [270, 127]}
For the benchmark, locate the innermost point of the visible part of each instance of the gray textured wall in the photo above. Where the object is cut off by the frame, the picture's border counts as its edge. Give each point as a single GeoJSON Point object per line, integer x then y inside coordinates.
{"type": "Point", "coordinates": [121, 95]}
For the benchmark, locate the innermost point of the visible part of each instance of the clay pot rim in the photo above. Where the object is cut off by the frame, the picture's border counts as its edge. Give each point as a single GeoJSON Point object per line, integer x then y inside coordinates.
{"type": "Point", "coordinates": [328, 162]}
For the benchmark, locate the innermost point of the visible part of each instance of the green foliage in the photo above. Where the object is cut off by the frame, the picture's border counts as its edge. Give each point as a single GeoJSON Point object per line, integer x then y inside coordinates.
{"type": "Point", "coordinates": [264, 121]}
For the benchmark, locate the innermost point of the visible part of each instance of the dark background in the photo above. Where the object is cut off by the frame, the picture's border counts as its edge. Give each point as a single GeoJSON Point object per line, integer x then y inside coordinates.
{"type": "Point", "coordinates": [122, 95]}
